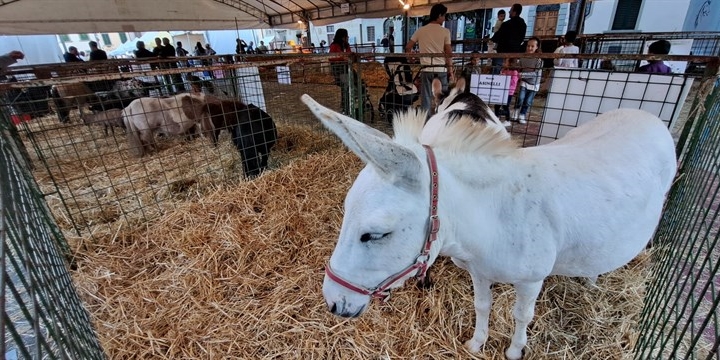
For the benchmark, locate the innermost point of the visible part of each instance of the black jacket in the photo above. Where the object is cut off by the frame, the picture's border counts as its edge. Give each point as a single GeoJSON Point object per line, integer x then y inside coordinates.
{"type": "Point", "coordinates": [71, 57]}
{"type": "Point", "coordinates": [98, 55]}
{"type": "Point", "coordinates": [510, 37]}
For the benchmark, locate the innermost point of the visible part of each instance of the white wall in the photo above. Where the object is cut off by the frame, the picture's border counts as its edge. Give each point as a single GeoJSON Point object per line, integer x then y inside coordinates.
{"type": "Point", "coordinates": [224, 41]}
{"type": "Point", "coordinates": [353, 27]}
{"type": "Point", "coordinates": [655, 16]}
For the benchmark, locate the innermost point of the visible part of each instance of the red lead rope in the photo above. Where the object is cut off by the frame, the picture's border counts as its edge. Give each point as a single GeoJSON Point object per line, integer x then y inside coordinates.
{"type": "Point", "coordinates": [381, 291]}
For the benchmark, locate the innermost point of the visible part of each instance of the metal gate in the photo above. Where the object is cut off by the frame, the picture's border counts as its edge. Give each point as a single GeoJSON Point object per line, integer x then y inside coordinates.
{"type": "Point", "coordinates": [680, 319]}
{"type": "Point", "coordinates": [42, 315]}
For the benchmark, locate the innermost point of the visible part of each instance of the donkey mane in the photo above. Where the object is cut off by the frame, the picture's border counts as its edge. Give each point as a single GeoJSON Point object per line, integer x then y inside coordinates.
{"type": "Point", "coordinates": [453, 132]}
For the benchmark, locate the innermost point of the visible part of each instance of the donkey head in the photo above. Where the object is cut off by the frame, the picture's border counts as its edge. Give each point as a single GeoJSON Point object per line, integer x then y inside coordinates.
{"type": "Point", "coordinates": [386, 214]}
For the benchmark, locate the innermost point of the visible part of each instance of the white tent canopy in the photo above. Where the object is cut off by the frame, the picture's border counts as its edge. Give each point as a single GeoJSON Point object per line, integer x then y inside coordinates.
{"type": "Point", "coordinates": [148, 38]}
{"type": "Point", "coordinates": [20, 17]}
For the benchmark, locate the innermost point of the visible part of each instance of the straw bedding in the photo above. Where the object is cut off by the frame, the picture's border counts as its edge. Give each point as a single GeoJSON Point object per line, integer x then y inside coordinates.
{"type": "Point", "coordinates": [235, 270]}
{"type": "Point", "coordinates": [237, 273]}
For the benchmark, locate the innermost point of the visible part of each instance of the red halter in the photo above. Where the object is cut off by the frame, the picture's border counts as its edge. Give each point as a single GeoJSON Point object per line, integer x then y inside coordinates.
{"type": "Point", "coordinates": [381, 291]}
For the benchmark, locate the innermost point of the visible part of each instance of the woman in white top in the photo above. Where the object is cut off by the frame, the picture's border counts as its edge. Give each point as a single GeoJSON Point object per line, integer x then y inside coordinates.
{"type": "Point", "coordinates": [568, 48]}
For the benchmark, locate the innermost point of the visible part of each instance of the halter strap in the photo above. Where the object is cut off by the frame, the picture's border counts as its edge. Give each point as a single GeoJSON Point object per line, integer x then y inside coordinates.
{"type": "Point", "coordinates": [381, 291]}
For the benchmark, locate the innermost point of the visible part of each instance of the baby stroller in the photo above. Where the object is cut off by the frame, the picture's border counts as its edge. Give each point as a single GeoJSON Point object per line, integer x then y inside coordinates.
{"type": "Point", "coordinates": [401, 91]}
{"type": "Point", "coordinates": [340, 72]}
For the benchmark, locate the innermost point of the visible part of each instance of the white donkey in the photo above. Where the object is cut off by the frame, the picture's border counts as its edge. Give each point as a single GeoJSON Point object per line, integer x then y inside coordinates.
{"type": "Point", "coordinates": [458, 186]}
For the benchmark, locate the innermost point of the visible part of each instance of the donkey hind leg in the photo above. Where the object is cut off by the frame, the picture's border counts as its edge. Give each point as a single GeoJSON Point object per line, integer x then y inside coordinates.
{"type": "Point", "coordinates": [523, 312]}
{"type": "Point", "coordinates": [483, 303]}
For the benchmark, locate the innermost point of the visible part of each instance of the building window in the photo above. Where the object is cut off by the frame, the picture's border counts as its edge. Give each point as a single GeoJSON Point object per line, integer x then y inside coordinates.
{"type": "Point", "coordinates": [123, 38]}
{"type": "Point", "coordinates": [65, 38]}
{"type": "Point", "coordinates": [84, 37]}
{"type": "Point", "coordinates": [106, 39]}
{"type": "Point", "coordinates": [626, 14]}
{"type": "Point", "coordinates": [371, 34]}
{"type": "Point", "coordinates": [330, 28]}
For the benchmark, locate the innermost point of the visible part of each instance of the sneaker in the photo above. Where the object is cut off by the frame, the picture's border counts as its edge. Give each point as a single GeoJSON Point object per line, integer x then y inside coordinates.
{"type": "Point", "coordinates": [506, 123]}
{"type": "Point", "coordinates": [521, 119]}
{"type": "Point", "coordinates": [515, 114]}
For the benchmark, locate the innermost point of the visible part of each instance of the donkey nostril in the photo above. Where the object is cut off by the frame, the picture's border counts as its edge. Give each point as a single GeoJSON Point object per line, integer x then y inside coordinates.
{"type": "Point", "coordinates": [333, 309]}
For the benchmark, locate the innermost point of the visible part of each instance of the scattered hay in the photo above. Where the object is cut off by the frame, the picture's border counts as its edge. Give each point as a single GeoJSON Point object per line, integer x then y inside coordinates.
{"type": "Point", "coordinates": [237, 273]}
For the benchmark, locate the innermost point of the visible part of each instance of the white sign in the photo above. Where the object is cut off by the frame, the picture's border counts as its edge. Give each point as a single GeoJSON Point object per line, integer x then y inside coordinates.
{"type": "Point", "coordinates": [345, 8]}
{"type": "Point", "coordinates": [283, 73]}
{"type": "Point", "coordinates": [492, 89]}
{"type": "Point", "coordinates": [677, 47]}
{"type": "Point", "coordinates": [250, 86]}
{"type": "Point", "coordinates": [578, 96]}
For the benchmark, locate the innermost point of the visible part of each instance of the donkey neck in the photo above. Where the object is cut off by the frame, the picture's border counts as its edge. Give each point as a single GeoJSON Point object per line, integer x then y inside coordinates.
{"type": "Point", "coordinates": [469, 185]}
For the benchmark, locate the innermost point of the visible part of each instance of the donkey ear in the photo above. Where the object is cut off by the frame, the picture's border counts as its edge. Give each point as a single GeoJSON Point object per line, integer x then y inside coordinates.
{"type": "Point", "coordinates": [393, 161]}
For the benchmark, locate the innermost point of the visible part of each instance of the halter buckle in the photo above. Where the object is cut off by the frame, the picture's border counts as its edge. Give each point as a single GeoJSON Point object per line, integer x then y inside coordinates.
{"type": "Point", "coordinates": [434, 224]}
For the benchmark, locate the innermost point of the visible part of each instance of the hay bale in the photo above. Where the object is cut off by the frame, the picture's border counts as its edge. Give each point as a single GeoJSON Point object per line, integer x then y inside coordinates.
{"type": "Point", "coordinates": [238, 273]}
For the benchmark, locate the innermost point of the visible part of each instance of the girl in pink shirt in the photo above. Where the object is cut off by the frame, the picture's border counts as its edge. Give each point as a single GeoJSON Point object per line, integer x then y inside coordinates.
{"type": "Point", "coordinates": [509, 69]}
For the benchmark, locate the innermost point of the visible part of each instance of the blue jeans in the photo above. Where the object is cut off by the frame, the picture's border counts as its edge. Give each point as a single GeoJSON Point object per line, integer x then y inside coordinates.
{"type": "Point", "coordinates": [427, 95]}
{"type": "Point", "coordinates": [525, 100]}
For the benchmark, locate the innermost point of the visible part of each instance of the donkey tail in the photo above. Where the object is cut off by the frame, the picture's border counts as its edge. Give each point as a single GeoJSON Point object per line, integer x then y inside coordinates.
{"type": "Point", "coordinates": [135, 145]}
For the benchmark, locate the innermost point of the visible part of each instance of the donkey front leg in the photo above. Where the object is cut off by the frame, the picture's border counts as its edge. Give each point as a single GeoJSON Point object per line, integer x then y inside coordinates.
{"type": "Point", "coordinates": [483, 302]}
{"type": "Point", "coordinates": [523, 312]}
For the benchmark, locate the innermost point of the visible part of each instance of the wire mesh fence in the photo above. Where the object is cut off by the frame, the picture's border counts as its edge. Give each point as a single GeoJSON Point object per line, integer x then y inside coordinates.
{"type": "Point", "coordinates": [42, 315]}
{"type": "Point", "coordinates": [95, 171]}
{"type": "Point", "coordinates": [681, 316]}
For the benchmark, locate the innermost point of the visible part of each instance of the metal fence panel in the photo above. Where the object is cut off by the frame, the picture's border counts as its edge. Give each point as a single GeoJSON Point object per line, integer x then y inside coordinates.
{"type": "Point", "coordinates": [681, 315]}
{"type": "Point", "coordinates": [43, 317]}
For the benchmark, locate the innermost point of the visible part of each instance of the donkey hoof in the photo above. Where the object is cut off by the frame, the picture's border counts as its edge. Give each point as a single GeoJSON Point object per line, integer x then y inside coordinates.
{"type": "Point", "coordinates": [473, 346]}
{"type": "Point", "coordinates": [514, 354]}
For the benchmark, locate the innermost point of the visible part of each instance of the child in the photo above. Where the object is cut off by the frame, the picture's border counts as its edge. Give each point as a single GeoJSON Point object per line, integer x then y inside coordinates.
{"type": "Point", "coordinates": [531, 72]}
{"type": "Point", "coordinates": [509, 69]}
{"type": "Point", "coordinates": [473, 67]}
{"type": "Point", "coordinates": [660, 47]}
{"type": "Point", "coordinates": [568, 48]}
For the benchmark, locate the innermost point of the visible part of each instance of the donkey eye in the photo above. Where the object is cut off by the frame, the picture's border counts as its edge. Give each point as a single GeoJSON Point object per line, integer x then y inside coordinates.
{"type": "Point", "coordinates": [375, 236]}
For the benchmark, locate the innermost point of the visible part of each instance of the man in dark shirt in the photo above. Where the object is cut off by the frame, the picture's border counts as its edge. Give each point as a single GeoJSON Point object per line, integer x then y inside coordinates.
{"type": "Point", "coordinates": [510, 37]}
{"type": "Point", "coordinates": [168, 52]}
{"type": "Point", "coordinates": [72, 55]}
{"type": "Point", "coordinates": [158, 49]}
{"type": "Point", "coordinates": [96, 53]}
{"type": "Point", "coordinates": [141, 51]}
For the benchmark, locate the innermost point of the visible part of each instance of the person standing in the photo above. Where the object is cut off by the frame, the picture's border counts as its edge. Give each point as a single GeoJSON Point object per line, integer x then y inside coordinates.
{"type": "Point", "coordinates": [509, 38]}
{"type": "Point", "coordinates": [530, 75]}
{"type": "Point", "coordinates": [339, 66]}
{"type": "Point", "coordinates": [180, 51]}
{"type": "Point", "coordinates": [240, 46]}
{"type": "Point", "coordinates": [568, 48]}
{"type": "Point", "coordinates": [209, 50]}
{"type": "Point", "coordinates": [141, 52]}
{"type": "Point", "coordinates": [72, 55]}
{"type": "Point", "coordinates": [96, 53]}
{"type": "Point", "coordinates": [385, 42]}
{"type": "Point", "coordinates": [433, 38]}
{"type": "Point", "coordinates": [391, 39]}
{"type": "Point", "coordinates": [199, 50]}
{"type": "Point", "coordinates": [261, 49]}
{"type": "Point", "coordinates": [660, 47]}
{"type": "Point", "coordinates": [157, 50]}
